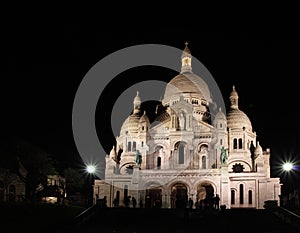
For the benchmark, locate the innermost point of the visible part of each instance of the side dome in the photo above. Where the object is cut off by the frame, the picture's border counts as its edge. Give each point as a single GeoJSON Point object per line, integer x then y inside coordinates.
{"type": "Point", "coordinates": [258, 151]}
{"type": "Point", "coordinates": [144, 118]}
{"type": "Point", "coordinates": [237, 119]}
{"type": "Point", "coordinates": [131, 124]}
{"type": "Point", "coordinates": [220, 115]}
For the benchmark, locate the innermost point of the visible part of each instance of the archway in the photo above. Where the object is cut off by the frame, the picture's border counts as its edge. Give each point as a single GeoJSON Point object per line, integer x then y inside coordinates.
{"type": "Point", "coordinates": [205, 195]}
{"type": "Point", "coordinates": [153, 198]}
{"type": "Point", "coordinates": [179, 196]}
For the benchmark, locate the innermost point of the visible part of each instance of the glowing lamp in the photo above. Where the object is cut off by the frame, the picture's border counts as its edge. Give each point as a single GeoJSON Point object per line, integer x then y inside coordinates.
{"type": "Point", "coordinates": [90, 168]}
{"type": "Point", "coordinates": [288, 166]}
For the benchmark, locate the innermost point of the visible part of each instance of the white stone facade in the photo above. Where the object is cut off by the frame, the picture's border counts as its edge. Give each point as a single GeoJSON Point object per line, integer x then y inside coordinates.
{"type": "Point", "coordinates": [181, 153]}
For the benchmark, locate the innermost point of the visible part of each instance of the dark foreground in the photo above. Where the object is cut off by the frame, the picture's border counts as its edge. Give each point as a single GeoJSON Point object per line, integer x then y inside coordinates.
{"type": "Point", "coordinates": [168, 220]}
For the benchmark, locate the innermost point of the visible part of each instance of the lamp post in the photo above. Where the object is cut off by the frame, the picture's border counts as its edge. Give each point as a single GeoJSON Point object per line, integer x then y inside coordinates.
{"type": "Point", "coordinates": [288, 169]}
{"type": "Point", "coordinates": [288, 166]}
{"type": "Point", "coordinates": [90, 169]}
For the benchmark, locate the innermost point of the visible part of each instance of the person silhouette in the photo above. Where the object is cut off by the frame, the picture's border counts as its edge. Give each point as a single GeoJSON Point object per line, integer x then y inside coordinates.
{"type": "Point", "coordinates": [133, 202]}
{"type": "Point", "coordinates": [190, 203]}
{"type": "Point", "coordinates": [217, 202]}
{"type": "Point", "coordinates": [141, 203]}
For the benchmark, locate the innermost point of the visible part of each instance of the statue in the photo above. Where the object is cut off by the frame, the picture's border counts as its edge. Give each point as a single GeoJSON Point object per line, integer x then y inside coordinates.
{"type": "Point", "coordinates": [181, 121]}
{"type": "Point", "coordinates": [223, 155]}
{"type": "Point", "coordinates": [138, 158]}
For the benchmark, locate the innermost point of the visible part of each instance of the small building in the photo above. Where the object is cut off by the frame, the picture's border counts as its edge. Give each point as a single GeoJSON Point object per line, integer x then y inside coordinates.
{"type": "Point", "coordinates": [12, 188]}
{"type": "Point", "coordinates": [54, 191]}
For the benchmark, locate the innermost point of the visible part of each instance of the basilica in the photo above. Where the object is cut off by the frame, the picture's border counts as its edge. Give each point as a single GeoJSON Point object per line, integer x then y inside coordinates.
{"type": "Point", "coordinates": [189, 153]}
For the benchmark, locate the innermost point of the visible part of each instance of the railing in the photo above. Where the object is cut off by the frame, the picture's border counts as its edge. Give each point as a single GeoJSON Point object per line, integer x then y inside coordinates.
{"type": "Point", "coordinates": [90, 212]}
{"type": "Point", "coordinates": [85, 215]}
{"type": "Point", "coordinates": [288, 216]}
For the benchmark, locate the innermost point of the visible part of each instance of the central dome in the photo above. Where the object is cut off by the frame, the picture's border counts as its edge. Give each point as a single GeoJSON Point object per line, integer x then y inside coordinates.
{"type": "Point", "coordinates": [186, 84]}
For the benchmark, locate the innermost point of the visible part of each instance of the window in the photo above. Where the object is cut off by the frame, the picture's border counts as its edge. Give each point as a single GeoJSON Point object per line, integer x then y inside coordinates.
{"type": "Point", "coordinates": [232, 197]}
{"type": "Point", "coordinates": [181, 154]}
{"type": "Point", "coordinates": [241, 194]}
{"type": "Point", "coordinates": [220, 125]}
{"type": "Point", "coordinates": [240, 143]}
{"type": "Point", "coordinates": [250, 197]}
{"type": "Point", "coordinates": [235, 143]}
{"type": "Point", "coordinates": [133, 146]}
{"type": "Point", "coordinates": [221, 142]}
{"type": "Point", "coordinates": [203, 162]}
{"type": "Point", "coordinates": [129, 146]}
{"type": "Point", "coordinates": [143, 128]}
{"type": "Point", "coordinates": [142, 144]}
{"type": "Point", "coordinates": [195, 101]}
{"type": "Point", "coordinates": [158, 162]}
{"type": "Point", "coordinates": [203, 102]}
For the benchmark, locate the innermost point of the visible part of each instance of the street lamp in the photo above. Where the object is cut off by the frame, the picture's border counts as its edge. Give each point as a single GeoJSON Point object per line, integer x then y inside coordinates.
{"type": "Point", "coordinates": [90, 169]}
{"type": "Point", "coordinates": [288, 166]}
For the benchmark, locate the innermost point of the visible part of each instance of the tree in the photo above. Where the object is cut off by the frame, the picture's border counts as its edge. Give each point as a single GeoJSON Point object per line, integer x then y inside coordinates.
{"type": "Point", "coordinates": [35, 160]}
{"type": "Point", "coordinates": [7, 177]}
{"type": "Point", "coordinates": [74, 181]}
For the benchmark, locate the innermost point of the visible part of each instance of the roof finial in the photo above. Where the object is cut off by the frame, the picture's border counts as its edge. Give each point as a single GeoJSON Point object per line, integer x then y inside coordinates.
{"type": "Point", "coordinates": [186, 60]}
{"type": "Point", "coordinates": [234, 98]}
{"type": "Point", "coordinates": [137, 103]}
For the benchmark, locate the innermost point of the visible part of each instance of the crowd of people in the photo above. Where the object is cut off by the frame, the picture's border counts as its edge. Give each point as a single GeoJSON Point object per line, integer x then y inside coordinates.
{"type": "Point", "coordinates": [207, 203]}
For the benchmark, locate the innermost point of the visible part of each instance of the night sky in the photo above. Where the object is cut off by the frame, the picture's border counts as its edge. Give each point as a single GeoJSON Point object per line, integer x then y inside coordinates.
{"type": "Point", "coordinates": [44, 63]}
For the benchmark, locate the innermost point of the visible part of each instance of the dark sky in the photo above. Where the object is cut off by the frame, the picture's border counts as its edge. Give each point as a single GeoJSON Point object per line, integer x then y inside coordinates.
{"type": "Point", "coordinates": [44, 63]}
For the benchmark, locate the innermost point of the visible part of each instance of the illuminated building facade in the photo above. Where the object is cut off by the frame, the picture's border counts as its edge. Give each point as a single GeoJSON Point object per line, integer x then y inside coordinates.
{"type": "Point", "coordinates": [188, 152]}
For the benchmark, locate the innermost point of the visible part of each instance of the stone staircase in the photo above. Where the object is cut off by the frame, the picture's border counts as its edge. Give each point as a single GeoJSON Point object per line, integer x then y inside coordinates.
{"type": "Point", "coordinates": [125, 220]}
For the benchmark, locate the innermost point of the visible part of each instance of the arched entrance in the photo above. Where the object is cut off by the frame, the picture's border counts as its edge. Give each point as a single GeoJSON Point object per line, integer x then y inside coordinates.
{"type": "Point", "coordinates": [179, 196]}
{"type": "Point", "coordinates": [205, 195]}
{"type": "Point", "coordinates": [153, 198]}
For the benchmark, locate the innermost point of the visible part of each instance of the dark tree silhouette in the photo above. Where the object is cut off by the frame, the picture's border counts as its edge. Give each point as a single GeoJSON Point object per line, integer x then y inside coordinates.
{"type": "Point", "coordinates": [37, 163]}
{"type": "Point", "coordinates": [74, 181]}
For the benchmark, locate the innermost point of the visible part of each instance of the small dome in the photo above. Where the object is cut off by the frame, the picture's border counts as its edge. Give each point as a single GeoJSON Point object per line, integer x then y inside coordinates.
{"type": "Point", "coordinates": [162, 117]}
{"type": "Point", "coordinates": [113, 153]}
{"type": "Point", "coordinates": [220, 115]}
{"type": "Point", "coordinates": [237, 119]}
{"type": "Point", "coordinates": [131, 124]}
{"type": "Point", "coordinates": [258, 151]}
{"type": "Point", "coordinates": [144, 118]}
